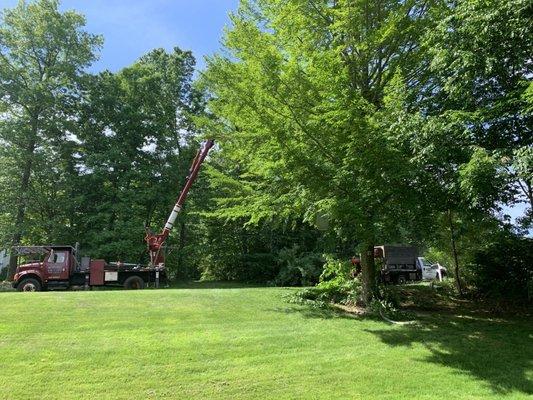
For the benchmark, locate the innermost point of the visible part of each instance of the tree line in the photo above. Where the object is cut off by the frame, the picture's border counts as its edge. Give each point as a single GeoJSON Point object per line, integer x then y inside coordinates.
{"type": "Point", "coordinates": [340, 125]}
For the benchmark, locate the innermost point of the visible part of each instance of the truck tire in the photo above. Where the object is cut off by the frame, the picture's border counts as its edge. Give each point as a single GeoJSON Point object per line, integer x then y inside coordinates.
{"type": "Point", "coordinates": [134, 283]}
{"type": "Point", "coordinates": [401, 280]}
{"type": "Point", "coordinates": [29, 285]}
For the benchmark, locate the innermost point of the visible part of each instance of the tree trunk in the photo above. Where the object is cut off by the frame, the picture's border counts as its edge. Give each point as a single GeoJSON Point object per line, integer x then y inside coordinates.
{"type": "Point", "coordinates": [23, 194]}
{"type": "Point", "coordinates": [454, 252]}
{"type": "Point", "coordinates": [368, 272]}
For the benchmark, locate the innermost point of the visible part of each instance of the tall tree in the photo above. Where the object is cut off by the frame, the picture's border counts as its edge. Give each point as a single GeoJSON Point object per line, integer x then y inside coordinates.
{"type": "Point", "coordinates": [482, 72]}
{"type": "Point", "coordinates": [43, 53]}
{"type": "Point", "coordinates": [137, 142]}
{"type": "Point", "coordinates": [301, 96]}
{"type": "Point", "coordinates": [467, 122]}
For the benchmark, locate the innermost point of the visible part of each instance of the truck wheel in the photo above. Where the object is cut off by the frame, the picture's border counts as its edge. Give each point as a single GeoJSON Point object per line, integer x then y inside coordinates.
{"type": "Point", "coordinates": [401, 280]}
{"type": "Point", "coordinates": [29, 285]}
{"type": "Point", "coordinates": [134, 283]}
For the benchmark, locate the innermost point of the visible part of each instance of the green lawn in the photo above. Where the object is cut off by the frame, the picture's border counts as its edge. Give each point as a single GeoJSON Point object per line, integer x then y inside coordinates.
{"type": "Point", "coordinates": [237, 343]}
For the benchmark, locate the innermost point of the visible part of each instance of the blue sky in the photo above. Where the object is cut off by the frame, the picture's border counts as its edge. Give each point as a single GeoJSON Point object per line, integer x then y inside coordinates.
{"type": "Point", "coordinates": [131, 28]}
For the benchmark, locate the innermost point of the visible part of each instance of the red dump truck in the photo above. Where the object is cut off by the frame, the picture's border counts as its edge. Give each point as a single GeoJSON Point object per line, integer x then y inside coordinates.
{"type": "Point", "coordinates": [61, 267]}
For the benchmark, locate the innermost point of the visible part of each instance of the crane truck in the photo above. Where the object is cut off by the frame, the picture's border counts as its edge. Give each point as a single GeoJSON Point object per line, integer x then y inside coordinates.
{"type": "Point", "coordinates": [62, 267]}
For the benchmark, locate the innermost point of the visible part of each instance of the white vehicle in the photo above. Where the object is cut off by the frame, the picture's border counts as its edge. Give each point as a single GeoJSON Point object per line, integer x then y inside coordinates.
{"type": "Point", "coordinates": [431, 271]}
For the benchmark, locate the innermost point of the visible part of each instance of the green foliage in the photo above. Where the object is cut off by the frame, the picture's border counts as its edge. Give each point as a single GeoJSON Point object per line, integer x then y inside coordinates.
{"type": "Point", "coordinates": [309, 141]}
{"type": "Point", "coordinates": [43, 53]}
{"type": "Point", "coordinates": [281, 256]}
{"type": "Point", "coordinates": [522, 172]}
{"type": "Point", "coordinates": [336, 285]}
{"type": "Point", "coordinates": [327, 292]}
{"type": "Point", "coordinates": [464, 121]}
{"type": "Point", "coordinates": [336, 270]}
{"type": "Point", "coordinates": [479, 177]}
{"type": "Point", "coordinates": [481, 71]}
{"type": "Point", "coordinates": [297, 268]}
{"type": "Point", "coordinates": [502, 267]}
{"type": "Point", "coordinates": [137, 143]}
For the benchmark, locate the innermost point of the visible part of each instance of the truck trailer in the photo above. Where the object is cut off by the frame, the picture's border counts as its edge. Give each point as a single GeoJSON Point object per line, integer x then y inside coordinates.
{"type": "Point", "coordinates": [399, 264]}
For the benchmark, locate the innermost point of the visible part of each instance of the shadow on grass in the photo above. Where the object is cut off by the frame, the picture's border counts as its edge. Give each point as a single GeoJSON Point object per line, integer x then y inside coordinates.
{"type": "Point", "coordinates": [497, 351]}
{"type": "Point", "coordinates": [326, 312]}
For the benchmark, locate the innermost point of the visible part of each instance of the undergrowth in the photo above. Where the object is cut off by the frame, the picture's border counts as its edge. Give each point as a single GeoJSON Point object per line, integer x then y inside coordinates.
{"type": "Point", "coordinates": [338, 286]}
{"type": "Point", "coordinates": [5, 286]}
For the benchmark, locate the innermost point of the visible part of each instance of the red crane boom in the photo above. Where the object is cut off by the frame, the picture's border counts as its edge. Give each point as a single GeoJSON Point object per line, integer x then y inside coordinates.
{"type": "Point", "coordinates": [155, 242]}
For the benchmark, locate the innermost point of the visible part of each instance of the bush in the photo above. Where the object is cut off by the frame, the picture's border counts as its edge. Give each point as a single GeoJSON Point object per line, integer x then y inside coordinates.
{"type": "Point", "coordinates": [287, 267]}
{"type": "Point", "coordinates": [256, 267]}
{"type": "Point", "coordinates": [3, 274]}
{"type": "Point", "coordinates": [503, 268]}
{"type": "Point", "coordinates": [336, 285]}
{"type": "Point", "coordinates": [6, 287]}
{"type": "Point", "coordinates": [335, 269]}
{"type": "Point", "coordinates": [298, 268]}
{"type": "Point", "coordinates": [330, 292]}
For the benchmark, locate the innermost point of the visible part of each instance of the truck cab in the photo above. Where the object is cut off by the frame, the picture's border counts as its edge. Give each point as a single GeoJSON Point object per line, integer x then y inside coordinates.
{"type": "Point", "coordinates": [39, 267]}
{"type": "Point", "coordinates": [431, 271]}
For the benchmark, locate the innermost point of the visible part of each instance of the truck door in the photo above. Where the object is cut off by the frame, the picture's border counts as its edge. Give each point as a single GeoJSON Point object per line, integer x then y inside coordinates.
{"type": "Point", "coordinates": [56, 265]}
{"type": "Point", "coordinates": [427, 271]}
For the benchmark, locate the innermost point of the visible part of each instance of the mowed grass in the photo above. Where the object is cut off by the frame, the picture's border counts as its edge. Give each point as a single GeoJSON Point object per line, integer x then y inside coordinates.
{"type": "Point", "coordinates": [248, 343]}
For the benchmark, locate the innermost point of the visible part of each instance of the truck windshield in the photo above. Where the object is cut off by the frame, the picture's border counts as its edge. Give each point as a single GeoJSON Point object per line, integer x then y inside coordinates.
{"type": "Point", "coordinates": [425, 262]}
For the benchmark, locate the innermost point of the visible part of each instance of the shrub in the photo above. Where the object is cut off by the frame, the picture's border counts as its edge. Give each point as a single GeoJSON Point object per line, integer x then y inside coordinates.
{"type": "Point", "coordinates": [330, 292]}
{"type": "Point", "coordinates": [6, 287]}
{"type": "Point", "coordinates": [298, 268]}
{"type": "Point", "coordinates": [335, 269]}
{"type": "Point", "coordinates": [255, 267]}
{"type": "Point", "coordinates": [503, 268]}
{"type": "Point", "coordinates": [336, 285]}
